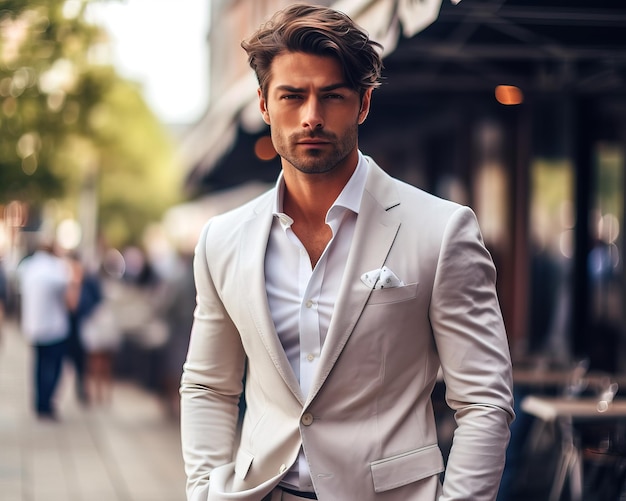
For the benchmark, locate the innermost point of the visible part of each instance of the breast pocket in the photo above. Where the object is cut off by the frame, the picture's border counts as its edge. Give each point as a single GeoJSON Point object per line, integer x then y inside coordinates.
{"type": "Point", "coordinates": [393, 294]}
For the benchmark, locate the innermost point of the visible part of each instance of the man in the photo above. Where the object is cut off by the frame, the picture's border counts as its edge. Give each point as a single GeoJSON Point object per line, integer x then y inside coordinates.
{"type": "Point", "coordinates": [48, 288]}
{"type": "Point", "coordinates": [340, 294]}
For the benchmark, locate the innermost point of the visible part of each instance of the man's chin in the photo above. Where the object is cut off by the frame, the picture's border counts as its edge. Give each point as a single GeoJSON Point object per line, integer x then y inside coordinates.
{"type": "Point", "coordinates": [314, 162]}
{"type": "Point", "coordinates": [314, 167]}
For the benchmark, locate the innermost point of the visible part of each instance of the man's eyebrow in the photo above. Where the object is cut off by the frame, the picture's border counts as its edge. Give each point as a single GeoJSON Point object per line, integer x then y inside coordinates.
{"type": "Point", "coordinates": [289, 88]}
{"type": "Point", "coordinates": [340, 85]}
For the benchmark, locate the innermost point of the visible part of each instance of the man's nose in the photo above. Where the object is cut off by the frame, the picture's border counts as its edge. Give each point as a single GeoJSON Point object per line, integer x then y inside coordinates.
{"type": "Point", "coordinates": [312, 114]}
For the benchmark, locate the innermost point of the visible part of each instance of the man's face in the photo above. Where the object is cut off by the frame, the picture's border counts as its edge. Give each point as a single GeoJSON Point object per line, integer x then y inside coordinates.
{"type": "Point", "coordinates": [313, 114]}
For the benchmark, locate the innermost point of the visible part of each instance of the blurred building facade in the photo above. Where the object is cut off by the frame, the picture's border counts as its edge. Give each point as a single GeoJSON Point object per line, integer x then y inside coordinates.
{"type": "Point", "coordinates": [514, 109]}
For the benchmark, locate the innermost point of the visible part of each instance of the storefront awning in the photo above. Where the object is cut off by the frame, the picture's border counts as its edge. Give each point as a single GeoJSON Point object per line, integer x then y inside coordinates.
{"type": "Point", "coordinates": [215, 134]}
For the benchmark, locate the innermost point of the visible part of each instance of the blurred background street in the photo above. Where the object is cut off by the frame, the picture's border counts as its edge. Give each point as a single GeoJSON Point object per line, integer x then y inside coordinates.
{"type": "Point", "coordinates": [126, 124]}
{"type": "Point", "coordinates": [126, 451]}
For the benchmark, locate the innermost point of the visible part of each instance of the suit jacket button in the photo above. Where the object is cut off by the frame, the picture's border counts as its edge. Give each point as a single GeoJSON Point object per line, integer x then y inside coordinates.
{"type": "Point", "coordinates": [307, 419]}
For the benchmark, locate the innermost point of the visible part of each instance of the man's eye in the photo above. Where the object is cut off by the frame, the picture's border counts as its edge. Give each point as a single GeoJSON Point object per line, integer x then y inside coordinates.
{"type": "Point", "coordinates": [333, 96]}
{"type": "Point", "coordinates": [289, 97]}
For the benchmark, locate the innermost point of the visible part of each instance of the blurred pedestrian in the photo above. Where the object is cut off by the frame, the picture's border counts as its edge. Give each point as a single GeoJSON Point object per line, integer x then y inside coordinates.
{"type": "Point", "coordinates": [90, 296]}
{"type": "Point", "coordinates": [179, 301]}
{"type": "Point", "coordinates": [49, 287]}
{"type": "Point", "coordinates": [101, 336]}
{"type": "Point", "coordinates": [4, 295]}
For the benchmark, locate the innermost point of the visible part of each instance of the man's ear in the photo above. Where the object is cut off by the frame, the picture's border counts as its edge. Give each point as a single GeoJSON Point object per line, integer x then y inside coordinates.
{"type": "Point", "coordinates": [365, 105]}
{"type": "Point", "coordinates": [263, 106]}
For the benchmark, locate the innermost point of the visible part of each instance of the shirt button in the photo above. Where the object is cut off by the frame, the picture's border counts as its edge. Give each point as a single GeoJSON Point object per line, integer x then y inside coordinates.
{"type": "Point", "coordinates": [307, 419]}
{"type": "Point", "coordinates": [310, 357]}
{"type": "Point", "coordinates": [309, 303]}
{"type": "Point", "coordinates": [282, 468]}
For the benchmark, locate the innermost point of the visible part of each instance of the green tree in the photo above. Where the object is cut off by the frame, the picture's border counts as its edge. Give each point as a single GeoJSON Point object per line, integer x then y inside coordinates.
{"type": "Point", "coordinates": [68, 122]}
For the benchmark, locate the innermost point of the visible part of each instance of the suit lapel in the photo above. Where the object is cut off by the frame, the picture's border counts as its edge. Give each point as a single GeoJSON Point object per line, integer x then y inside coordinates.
{"type": "Point", "coordinates": [253, 247]}
{"type": "Point", "coordinates": [374, 234]}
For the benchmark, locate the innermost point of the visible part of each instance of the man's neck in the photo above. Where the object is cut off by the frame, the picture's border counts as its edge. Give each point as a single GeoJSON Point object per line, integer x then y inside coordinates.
{"type": "Point", "coordinates": [309, 196]}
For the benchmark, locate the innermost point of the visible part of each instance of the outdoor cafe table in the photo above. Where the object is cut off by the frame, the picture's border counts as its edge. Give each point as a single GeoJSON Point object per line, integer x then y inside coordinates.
{"type": "Point", "coordinates": [537, 378]}
{"type": "Point", "coordinates": [569, 414]}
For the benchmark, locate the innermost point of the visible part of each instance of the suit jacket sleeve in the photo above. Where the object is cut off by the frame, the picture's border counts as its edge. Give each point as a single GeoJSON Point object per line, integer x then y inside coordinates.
{"type": "Point", "coordinates": [211, 382]}
{"type": "Point", "coordinates": [475, 360]}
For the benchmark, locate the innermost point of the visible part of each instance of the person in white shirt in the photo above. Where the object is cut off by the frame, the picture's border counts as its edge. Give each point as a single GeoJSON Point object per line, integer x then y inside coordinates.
{"type": "Point", "coordinates": [339, 295]}
{"type": "Point", "coordinates": [47, 287]}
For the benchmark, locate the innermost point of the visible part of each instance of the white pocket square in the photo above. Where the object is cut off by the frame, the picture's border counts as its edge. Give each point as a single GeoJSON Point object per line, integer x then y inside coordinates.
{"type": "Point", "coordinates": [382, 278]}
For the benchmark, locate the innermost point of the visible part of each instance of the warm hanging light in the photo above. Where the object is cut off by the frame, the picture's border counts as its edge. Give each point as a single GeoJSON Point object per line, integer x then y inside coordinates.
{"type": "Point", "coordinates": [509, 95]}
{"type": "Point", "coordinates": [264, 149]}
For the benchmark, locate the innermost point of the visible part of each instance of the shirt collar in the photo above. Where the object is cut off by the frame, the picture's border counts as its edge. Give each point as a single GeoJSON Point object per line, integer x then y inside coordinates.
{"type": "Point", "coordinates": [349, 198]}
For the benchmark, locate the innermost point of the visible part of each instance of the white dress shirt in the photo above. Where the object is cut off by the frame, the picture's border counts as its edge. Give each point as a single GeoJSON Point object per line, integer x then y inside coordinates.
{"type": "Point", "coordinates": [43, 280]}
{"type": "Point", "coordinates": [302, 299]}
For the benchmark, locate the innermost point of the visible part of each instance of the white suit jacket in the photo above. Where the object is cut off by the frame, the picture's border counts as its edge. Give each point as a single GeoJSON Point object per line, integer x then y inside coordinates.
{"type": "Point", "coordinates": [367, 427]}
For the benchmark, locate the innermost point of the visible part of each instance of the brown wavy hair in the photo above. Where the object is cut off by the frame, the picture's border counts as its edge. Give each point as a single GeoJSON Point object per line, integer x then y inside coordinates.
{"type": "Point", "coordinates": [322, 31]}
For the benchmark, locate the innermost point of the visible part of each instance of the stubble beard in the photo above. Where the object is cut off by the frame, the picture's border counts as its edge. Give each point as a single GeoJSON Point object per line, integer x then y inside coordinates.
{"type": "Point", "coordinates": [316, 160]}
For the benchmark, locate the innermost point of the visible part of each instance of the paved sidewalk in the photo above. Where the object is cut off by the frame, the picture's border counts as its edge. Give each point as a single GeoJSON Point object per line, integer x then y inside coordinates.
{"type": "Point", "coordinates": [127, 451]}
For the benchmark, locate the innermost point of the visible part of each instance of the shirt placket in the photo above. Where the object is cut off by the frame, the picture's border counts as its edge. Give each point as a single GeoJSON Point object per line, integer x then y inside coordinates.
{"type": "Point", "coordinates": [310, 281]}
{"type": "Point", "coordinates": [309, 322]}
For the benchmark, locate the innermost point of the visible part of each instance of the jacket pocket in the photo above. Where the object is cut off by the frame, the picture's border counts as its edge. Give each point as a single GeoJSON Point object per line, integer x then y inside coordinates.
{"type": "Point", "coordinates": [406, 468]}
{"type": "Point", "coordinates": [393, 294]}
{"type": "Point", "coordinates": [243, 463]}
